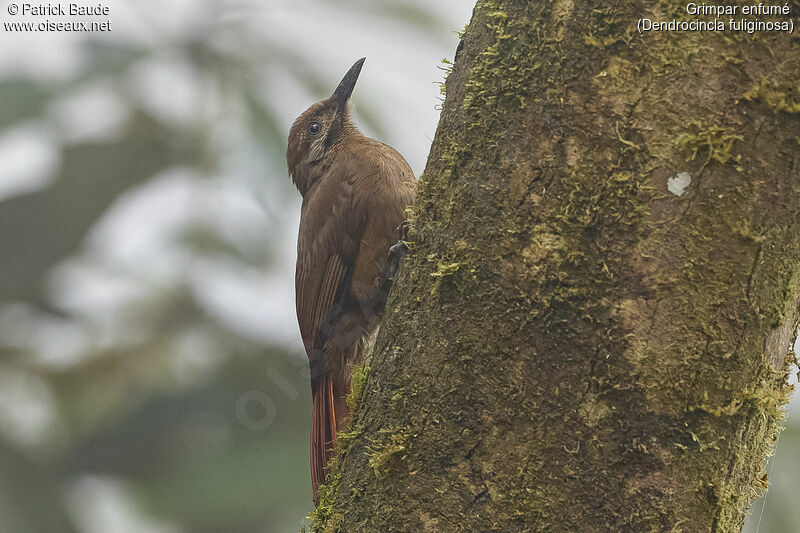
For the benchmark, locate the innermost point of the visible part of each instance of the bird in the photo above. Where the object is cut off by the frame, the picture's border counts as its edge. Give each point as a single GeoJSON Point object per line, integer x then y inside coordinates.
{"type": "Point", "coordinates": [355, 191]}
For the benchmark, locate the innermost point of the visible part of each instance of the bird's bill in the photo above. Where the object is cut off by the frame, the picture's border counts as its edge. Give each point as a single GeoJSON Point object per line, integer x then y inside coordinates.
{"type": "Point", "coordinates": [348, 83]}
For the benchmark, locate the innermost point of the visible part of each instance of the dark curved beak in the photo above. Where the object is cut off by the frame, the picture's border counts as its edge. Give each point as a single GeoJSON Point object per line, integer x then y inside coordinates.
{"type": "Point", "coordinates": [348, 83]}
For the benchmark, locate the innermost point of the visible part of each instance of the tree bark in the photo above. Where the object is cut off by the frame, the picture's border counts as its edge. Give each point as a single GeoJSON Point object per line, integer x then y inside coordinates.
{"type": "Point", "coordinates": [591, 330]}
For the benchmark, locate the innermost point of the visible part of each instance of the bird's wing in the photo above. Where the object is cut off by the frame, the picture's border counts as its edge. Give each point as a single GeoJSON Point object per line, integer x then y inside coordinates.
{"type": "Point", "coordinates": [326, 254]}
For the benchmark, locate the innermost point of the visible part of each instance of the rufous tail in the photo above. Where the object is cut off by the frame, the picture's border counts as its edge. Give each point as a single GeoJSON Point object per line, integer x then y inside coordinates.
{"type": "Point", "coordinates": [323, 433]}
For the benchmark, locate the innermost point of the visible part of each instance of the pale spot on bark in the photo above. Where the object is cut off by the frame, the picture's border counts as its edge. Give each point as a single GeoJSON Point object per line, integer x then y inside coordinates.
{"type": "Point", "coordinates": [678, 184]}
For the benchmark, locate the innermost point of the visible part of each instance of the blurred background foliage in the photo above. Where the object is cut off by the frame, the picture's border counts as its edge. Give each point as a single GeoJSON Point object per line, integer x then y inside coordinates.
{"type": "Point", "coordinates": [152, 378]}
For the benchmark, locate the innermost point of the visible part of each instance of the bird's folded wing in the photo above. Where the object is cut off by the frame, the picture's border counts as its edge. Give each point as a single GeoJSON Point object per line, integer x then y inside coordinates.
{"type": "Point", "coordinates": [326, 255]}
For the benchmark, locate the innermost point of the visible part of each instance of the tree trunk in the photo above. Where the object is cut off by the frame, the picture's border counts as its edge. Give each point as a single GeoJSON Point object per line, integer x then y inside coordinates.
{"type": "Point", "coordinates": [591, 330]}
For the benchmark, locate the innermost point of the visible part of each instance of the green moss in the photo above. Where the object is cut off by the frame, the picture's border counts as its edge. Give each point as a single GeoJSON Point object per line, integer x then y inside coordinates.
{"type": "Point", "coordinates": [779, 99]}
{"type": "Point", "coordinates": [397, 398]}
{"type": "Point", "coordinates": [358, 378]}
{"type": "Point", "coordinates": [446, 67]}
{"type": "Point", "coordinates": [714, 142]}
{"type": "Point", "coordinates": [325, 517]}
{"type": "Point", "coordinates": [498, 82]}
{"type": "Point", "coordinates": [601, 41]}
{"type": "Point", "coordinates": [443, 269]}
{"type": "Point", "coordinates": [386, 449]}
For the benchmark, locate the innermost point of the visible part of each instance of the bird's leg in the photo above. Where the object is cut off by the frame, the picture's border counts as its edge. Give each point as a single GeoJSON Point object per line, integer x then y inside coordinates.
{"type": "Point", "coordinates": [403, 229]}
{"type": "Point", "coordinates": [397, 252]}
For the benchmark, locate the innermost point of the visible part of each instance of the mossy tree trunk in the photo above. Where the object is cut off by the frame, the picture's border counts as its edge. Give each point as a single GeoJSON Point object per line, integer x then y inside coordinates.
{"type": "Point", "coordinates": [591, 330]}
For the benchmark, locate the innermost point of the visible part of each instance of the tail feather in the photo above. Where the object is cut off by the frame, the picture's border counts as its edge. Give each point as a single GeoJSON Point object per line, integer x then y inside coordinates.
{"type": "Point", "coordinates": [323, 433]}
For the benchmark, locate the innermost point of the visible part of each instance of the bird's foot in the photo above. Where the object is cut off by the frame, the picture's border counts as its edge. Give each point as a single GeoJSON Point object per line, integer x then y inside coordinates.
{"type": "Point", "coordinates": [398, 251]}
{"type": "Point", "coordinates": [403, 229]}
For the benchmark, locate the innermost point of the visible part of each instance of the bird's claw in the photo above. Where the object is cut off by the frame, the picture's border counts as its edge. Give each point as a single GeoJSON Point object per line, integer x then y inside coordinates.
{"type": "Point", "coordinates": [396, 254]}
{"type": "Point", "coordinates": [402, 230]}
{"type": "Point", "coordinates": [398, 251]}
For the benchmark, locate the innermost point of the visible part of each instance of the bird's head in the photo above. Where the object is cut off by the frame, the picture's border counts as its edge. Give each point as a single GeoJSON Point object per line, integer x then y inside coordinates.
{"type": "Point", "coordinates": [318, 130]}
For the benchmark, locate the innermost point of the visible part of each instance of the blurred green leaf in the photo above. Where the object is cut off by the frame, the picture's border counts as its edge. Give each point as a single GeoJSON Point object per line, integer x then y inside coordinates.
{"type": "Point", "coordinates": [108, 59]}
{"type": "Point", "coordinates": [20, 99]}
{"type": "Point", "coordinates": [193, 459]}
{"type": "Point", "coordinates": [776, 511]}
{"type": "Point", "coordinates": [265, 126]}
{"type": "Point", "coordinates": [415, 16]}
{"type": "Point", "coordinates": [39, 229]}
{"type": "Point", "coordinates": [30, 499]}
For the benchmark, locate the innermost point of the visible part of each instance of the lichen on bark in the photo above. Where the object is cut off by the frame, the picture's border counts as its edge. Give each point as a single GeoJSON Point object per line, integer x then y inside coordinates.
{"type": "Point", "coordinates": [571, 346]}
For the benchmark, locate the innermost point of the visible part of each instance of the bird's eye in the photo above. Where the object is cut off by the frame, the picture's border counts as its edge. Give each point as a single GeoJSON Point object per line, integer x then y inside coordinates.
{"type": "Point", "coordinates": [314, 128]}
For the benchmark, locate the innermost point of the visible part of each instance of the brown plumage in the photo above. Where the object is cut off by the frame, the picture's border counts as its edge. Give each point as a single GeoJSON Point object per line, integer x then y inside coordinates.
{"type": "Point", "coordinates": [355, 192]}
